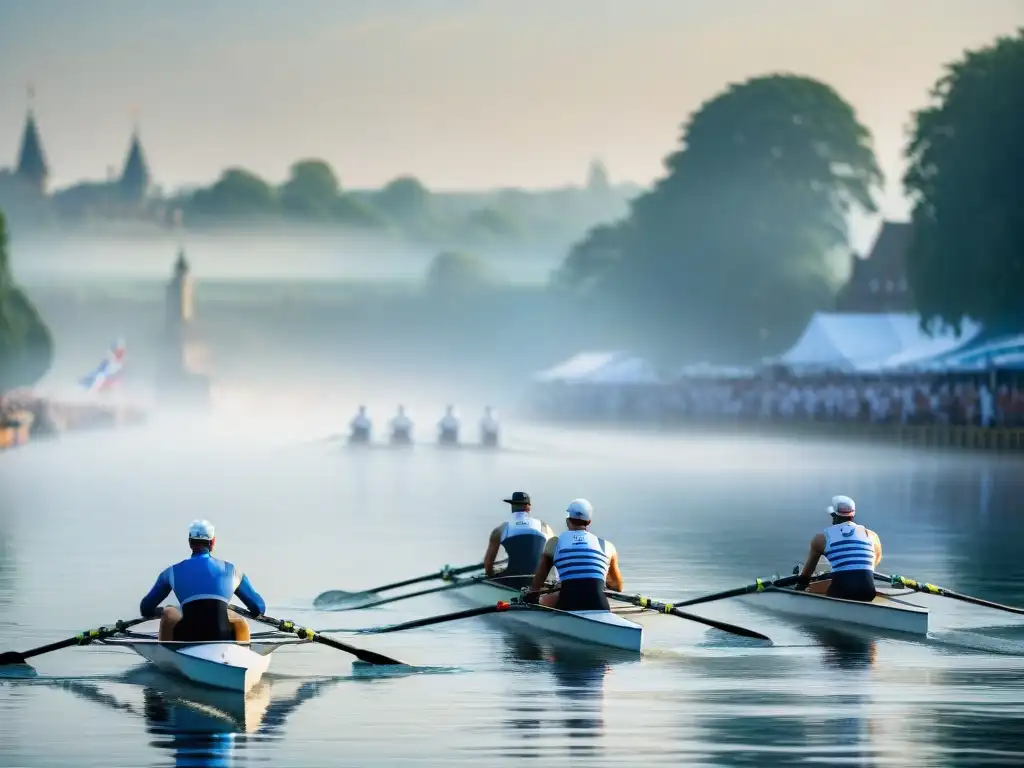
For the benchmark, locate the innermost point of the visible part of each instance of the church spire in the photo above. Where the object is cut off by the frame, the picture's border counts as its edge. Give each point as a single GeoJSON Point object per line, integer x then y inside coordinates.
{"type": "Point", "coordinates": [135, 180]}
{"type": "Point", "coordinates": [32, 168]}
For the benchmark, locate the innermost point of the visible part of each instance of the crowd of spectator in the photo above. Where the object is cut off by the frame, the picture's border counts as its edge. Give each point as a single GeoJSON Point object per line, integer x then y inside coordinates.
{"type": "Point", "coordinates": [945, 400]}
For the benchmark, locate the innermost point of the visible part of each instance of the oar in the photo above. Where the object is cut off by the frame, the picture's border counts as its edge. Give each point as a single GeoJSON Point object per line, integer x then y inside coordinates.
{"type": "Point", "coordinates": [407, 595]}
{"type": "Point", "coordinates": [429, 620]}
{"type": "Point", "coordinates": [758, 586]}
{"type": "Point", "coordinates": [312, 635]}
{"type": "Point", "coordinates": [333, 596]}
{"type": "Point", "coordinates": [646, 602]}
{"type": "Point", "coordinates": [83, 638]}
{"type": "Point", "coordinates": [943, 592]}
{"type": "Point", "coordinates": [469, 613]}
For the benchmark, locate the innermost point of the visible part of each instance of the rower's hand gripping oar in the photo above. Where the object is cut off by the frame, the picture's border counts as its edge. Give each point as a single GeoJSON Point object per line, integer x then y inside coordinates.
{"type": "Point", "coordinates": [931, 589]}
{"type": "Point", "coordinates": [654, 605]}
{"type": "Point", "coordinates": [317, 637]}
{"type": "Point", "coordinates": [82, 638]}
{"type": "Point", "coordinates": [333, 597]}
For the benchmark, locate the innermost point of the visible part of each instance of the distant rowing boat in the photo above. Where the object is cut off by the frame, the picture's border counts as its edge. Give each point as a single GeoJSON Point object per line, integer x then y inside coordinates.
{"type": "Point", "coordinates": [228, 666]}
{"type": "Point", "coordinates": [610, 629]}
{"type": "Point", "coordinates": [883, 613]}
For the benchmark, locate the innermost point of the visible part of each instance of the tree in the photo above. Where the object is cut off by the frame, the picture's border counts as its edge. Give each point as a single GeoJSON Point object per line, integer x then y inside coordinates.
{"type": "Point", "coordinates": [403, 198]}
{"type": "Point", "coordinates": [966, 160]}
{"type": "Point", "coordinates": [237, 192]}
{"type": "Point", "coordinates": [454, 272]}
{"type": "Point", "coordinates": [311, 191]}
{"type": "Point", "coordinates": [26, 346]}
{"type": "Point", "coordinates": [737, 238]}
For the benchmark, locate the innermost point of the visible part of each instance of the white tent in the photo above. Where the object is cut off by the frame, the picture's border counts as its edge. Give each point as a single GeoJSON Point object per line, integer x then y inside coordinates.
{"type": "Point", "coordinates": [869, 342]}
{"type": "Point", "coordinates": [578, 367]}
{"type": "Point", "coordinates": [628, 370]}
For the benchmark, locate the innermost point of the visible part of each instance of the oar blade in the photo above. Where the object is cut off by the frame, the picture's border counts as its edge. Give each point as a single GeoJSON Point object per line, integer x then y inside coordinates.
{"type": "Point", "coordinates": [338, 598]}
{"type": "Point", "coordinates": [8, 658]}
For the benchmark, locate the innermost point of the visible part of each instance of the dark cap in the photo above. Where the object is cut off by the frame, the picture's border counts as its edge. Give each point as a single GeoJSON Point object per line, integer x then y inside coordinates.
{"type": "Point", "coordinates": [519, 497]}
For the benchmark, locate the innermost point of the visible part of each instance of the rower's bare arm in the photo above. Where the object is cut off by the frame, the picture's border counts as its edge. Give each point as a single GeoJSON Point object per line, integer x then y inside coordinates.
{"type": "Point", "coordinates": [877, 542]}
{"type": "Point", "coordinates": [492, 551]}
{"type": "Point", "coordinates": [817, 550]}
{"type": "Point", "coordinates": [546, 563]}
{"type": "Point", "coordinates": [614, 578]}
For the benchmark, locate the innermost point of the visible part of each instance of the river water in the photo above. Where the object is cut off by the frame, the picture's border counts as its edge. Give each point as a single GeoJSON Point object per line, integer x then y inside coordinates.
{"type": "Point", "coordinates": [86, 524]}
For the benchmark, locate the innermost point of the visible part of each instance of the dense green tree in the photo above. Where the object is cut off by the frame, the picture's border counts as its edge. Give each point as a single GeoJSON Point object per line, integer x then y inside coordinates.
{"type": "Point", "coordinates": [26, 347]}
{"type": "Point", "coordinates": [237, 192]}
{"type": "Point", "coordinates": [311, 191]}
{"type": "Point", "coordinates": [455, 272]}
{"type": "Point", "coordinates": [735, 244]}
{"type": "Point", "coordinates": [403, 198]}
{"type": "Point", "coordinates": [966, 176]}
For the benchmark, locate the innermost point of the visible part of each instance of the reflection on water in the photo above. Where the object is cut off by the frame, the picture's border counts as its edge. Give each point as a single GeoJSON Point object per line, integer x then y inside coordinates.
{"type": "Point", "coordinates": [683, 525]}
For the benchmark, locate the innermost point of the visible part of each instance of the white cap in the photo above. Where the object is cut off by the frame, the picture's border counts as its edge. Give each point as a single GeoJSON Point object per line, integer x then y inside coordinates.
{"type": "Point", "coordinates": [843, 506]}
{"type": "Point", "coordinates": [200, 530]}
{"type": "Point", "coordinates": [580, 509]}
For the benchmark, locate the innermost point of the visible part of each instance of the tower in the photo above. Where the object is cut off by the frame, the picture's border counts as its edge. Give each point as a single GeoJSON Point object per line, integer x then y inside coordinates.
{"type": "Point", "coordinates": [597, 177]}
{"type": "Point", "coordinates": [179, 304]}
{"type": "Point", "coordinates": [184, 356]}
{"type": "Point", "coordinates": [31, 168]}
{"type": "Point", "coordinates": [135, 179]}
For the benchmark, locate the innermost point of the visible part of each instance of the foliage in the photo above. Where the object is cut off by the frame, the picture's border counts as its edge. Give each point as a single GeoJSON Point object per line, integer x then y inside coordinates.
{"type": "Point", "coordinates": [966, 157]}
{"type": "Point", "coordinates": [312, 190]}
{"type": "Point", "coordinates": [736, 240]}
{"type": "Point", "coordinates": [26, 347]}
{"type": "Point", "coordinates": [455, 272]}
{"type": "Point", "coordinates": [403, 198]}
{"type": "Point", "coordinates": [236, 193]}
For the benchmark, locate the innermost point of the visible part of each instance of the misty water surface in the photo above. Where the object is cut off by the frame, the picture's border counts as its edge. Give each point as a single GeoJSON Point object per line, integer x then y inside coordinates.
{"type": "Point", "coordinates": [87, 523]}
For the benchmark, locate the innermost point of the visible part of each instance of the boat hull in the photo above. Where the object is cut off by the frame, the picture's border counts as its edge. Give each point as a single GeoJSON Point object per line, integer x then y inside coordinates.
{"type": "Point", "coordinates": [602, 628]}
{"type": "Point", "coordinates": [882, 613]}
{"type": "Point", "coordinates": [227, 666]}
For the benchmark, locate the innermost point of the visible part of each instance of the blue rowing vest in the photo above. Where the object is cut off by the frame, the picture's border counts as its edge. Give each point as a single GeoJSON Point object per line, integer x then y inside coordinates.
{"type": "Point", "coordinates": [203, 577]}
{"type": "Point", "coordinates": [848, 547]}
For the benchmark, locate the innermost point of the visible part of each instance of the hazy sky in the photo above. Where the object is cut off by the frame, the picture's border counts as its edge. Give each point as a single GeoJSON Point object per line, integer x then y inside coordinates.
{"type": "Point", "coordinates": [462, 93]}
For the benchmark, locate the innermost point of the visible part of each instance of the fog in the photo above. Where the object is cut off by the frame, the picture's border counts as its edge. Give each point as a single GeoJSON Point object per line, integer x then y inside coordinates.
{"type": "Point", "coordinates": [281, 253]}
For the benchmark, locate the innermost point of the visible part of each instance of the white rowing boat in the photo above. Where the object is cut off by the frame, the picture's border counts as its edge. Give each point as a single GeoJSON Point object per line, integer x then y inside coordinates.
{"type": "Point", "coordinates": [882, 613]}
{"type": "Point", "coordinates": [610, 629]}
{"type": "Point", "coordinates": [225, 665]}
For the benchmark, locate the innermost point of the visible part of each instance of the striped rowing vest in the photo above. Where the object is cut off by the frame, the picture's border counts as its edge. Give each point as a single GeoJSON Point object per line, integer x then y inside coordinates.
{"type": "Point", "coordinates": [580, 554]}
{"type": "Point", "coordinates": [849, 548]}
{"type": "Point", "coordinates": [523, 539]}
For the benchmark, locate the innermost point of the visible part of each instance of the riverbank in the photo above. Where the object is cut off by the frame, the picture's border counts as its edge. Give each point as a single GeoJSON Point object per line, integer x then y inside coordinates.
{"type": "Point", "coordinates": [992, 439]}
{"type": "Point", "coordinates": [25, 417]}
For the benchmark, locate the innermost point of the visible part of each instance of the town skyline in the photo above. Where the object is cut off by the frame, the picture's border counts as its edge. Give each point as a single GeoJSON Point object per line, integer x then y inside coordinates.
{"type": "Point", "coordinates": [219, 87]}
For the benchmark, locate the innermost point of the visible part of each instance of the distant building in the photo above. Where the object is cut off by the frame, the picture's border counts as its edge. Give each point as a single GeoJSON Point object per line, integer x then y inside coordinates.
{"type": "Point", "coordinates": [31, 168]}
{"type": "Point", "coordinates": [127, 195]}
{"type": "Point", "coordinates": [878, 283]}
{"type": "Point", "coordinates": [184, 356]}
{"type": "Point", "coordinates": [597, 177]}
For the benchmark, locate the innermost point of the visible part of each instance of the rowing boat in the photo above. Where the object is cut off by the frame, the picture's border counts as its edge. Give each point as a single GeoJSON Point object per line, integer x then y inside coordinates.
{"type": "Point", "coordinates": [228, 666]}
{"type": "Point", "coordinates": [609, 629]}
{"type": "Point", "coordinates": [884, 612]}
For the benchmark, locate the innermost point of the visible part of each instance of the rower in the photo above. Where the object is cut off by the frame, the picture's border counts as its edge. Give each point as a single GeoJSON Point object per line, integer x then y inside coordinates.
{"type": "Point", "coordinates": [523, 539]}
{"type": "Point", "coordinates": [586, 565]}
{"type": "Point", "coordinates": [204, 586]}
{"type": "Point", "coordinates": [401, 428]}
{"type": "Point", "coordinates": [852, 550]}
{"type": "Point", "coordinates": [360, 426]}
{"type": "Point", "coordinates": [448, 427]}
{"type": "Point", "coordinates": [489, 428]}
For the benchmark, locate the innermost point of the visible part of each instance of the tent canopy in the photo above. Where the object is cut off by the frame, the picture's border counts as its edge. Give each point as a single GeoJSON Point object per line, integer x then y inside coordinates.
{"type": "Point", "coordinates": [578, 367]}
{"type": "Point", "coordinates": [628, 370]}
{"type": "Point", "coordinates": [1003, 352]}
{"type": "Point", "coordinates": [856, 342]}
